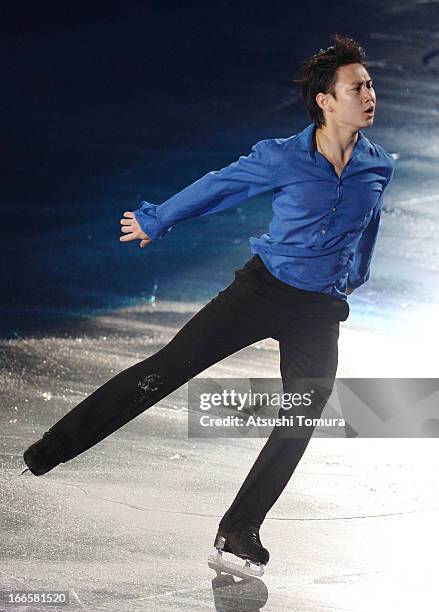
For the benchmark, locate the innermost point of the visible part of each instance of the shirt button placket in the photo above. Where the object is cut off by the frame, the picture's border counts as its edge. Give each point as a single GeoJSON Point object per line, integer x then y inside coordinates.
{"type": "Point", "coordinates": [338, 195]}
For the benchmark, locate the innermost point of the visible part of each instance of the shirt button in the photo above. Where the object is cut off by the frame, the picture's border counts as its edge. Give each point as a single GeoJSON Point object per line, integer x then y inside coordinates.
{"type": "Point", "coordinates": [334, 209]}
{"type": "Point", "coordinates": [323, 231]}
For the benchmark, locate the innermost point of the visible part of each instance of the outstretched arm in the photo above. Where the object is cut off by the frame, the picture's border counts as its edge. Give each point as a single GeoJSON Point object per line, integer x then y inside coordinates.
{"type": "Point", "coordinates": [213, 192]}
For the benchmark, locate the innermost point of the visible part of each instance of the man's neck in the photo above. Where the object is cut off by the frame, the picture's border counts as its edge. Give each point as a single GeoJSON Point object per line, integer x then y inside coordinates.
{"type": "Point", "coordinates": [338, 143]}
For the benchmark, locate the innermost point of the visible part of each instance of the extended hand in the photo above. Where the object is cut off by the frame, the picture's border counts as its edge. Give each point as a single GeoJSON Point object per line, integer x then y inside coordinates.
{"type": "Point", "coordinates": [132, 230]}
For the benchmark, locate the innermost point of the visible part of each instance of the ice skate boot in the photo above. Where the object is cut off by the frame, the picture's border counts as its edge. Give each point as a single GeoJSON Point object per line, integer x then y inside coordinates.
{"type": "Point", "coordinates": [244, 544]}
{"type": "Point", "coordinates": [43, 455]}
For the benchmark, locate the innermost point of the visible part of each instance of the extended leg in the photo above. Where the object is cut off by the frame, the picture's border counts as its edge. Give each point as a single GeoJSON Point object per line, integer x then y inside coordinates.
{"type": "Point", "coordinates": [228, 323]}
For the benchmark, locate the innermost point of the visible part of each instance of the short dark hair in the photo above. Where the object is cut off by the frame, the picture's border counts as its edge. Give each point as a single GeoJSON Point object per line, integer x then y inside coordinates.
{"type": "Point", "coordinates": [318, 72]}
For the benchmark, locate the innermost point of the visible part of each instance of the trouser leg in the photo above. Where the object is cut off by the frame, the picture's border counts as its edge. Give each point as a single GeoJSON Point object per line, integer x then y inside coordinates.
{"type": "Point", "coordinates": [308, 350]}
{"type": "Point", "coordinates": [228, 323]}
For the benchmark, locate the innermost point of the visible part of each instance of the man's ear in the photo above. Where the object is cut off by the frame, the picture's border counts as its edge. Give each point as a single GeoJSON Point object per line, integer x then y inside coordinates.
{"type": "Point", "coordinates": [323, 101]}
{"type": "Point", "coordinates": [320, 100]}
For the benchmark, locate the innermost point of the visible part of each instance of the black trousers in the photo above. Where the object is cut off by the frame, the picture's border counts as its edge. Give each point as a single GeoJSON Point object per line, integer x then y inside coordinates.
{"type": "Point", "coordinates": [256, 305]}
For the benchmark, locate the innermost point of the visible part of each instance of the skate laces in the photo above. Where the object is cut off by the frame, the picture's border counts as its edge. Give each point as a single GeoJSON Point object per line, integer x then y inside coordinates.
{"type": "Point", "coordinates": [254, 535]}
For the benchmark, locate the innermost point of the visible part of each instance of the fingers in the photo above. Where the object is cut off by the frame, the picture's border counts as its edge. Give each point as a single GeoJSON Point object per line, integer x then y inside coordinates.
{"type": "Point", "coordinates": [136, 236]}
{"type": "Point", "coordinates": [131, 233]}
{"type": "Point", "coordinates": [131, 229]}
{"type": "Point", "coordinates": [128, 237]}
{"type": "Point", "coordinates": [132, 222]}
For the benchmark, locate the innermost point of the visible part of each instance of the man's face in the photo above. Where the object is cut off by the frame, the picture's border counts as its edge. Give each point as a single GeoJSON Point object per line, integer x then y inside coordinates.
{"type": "Point", "coordinates": [354, 95]}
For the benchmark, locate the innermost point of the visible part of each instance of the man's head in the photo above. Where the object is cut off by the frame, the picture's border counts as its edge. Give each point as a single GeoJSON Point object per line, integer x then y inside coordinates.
{"type": "Point", "coordinates": [336, 86]}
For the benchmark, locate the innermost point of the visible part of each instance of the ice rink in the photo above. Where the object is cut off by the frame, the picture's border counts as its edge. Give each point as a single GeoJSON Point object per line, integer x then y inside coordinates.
{"type": "Point", "coordinates": [128, 525]}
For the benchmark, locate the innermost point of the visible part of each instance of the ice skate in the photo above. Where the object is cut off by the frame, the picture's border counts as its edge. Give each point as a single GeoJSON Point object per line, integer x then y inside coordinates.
{"type": "Point", "coordinates": [43, 455]}
{"type": "Point", "coordinates": [244, 544]}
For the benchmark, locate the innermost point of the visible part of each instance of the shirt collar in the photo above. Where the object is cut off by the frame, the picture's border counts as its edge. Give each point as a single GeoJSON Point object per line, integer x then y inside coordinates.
{"type": "Point", "coordinates": [305, 142]}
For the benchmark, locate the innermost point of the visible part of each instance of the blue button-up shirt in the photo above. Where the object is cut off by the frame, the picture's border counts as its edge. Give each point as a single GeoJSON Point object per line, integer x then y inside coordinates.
{"type": "Point", "coordinates": [324, 226]}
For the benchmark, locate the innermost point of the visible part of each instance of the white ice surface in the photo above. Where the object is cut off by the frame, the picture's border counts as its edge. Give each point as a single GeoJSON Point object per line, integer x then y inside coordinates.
{"type": "Point", "coordinates": [129, 524]}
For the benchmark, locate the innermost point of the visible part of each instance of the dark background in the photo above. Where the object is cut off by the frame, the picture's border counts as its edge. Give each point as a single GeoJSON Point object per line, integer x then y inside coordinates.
{"type": "Point", "coordinates": [106, 104]}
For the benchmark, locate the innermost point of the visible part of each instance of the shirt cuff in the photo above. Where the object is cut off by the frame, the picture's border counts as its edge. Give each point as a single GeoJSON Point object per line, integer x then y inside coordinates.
{"type": "Point", "coordinates": [147, 218]}
{"type": "Point", "coordinates": [355, 282]}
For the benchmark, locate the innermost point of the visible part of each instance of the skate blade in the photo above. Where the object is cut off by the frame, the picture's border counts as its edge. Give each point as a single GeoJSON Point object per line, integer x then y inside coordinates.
{"type": "Point", "coordinates": [218, 563]}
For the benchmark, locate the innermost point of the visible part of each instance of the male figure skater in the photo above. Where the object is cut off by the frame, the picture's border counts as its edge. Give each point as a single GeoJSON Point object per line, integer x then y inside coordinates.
{"type": "Point", "coordinates": [328, 183]}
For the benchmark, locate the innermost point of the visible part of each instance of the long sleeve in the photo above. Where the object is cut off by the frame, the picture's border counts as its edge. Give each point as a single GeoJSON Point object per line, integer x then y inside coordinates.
{"type": "Point", "coordinates": [360, 270]}
{"type": "Point", "coordinates": [213, 192]}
